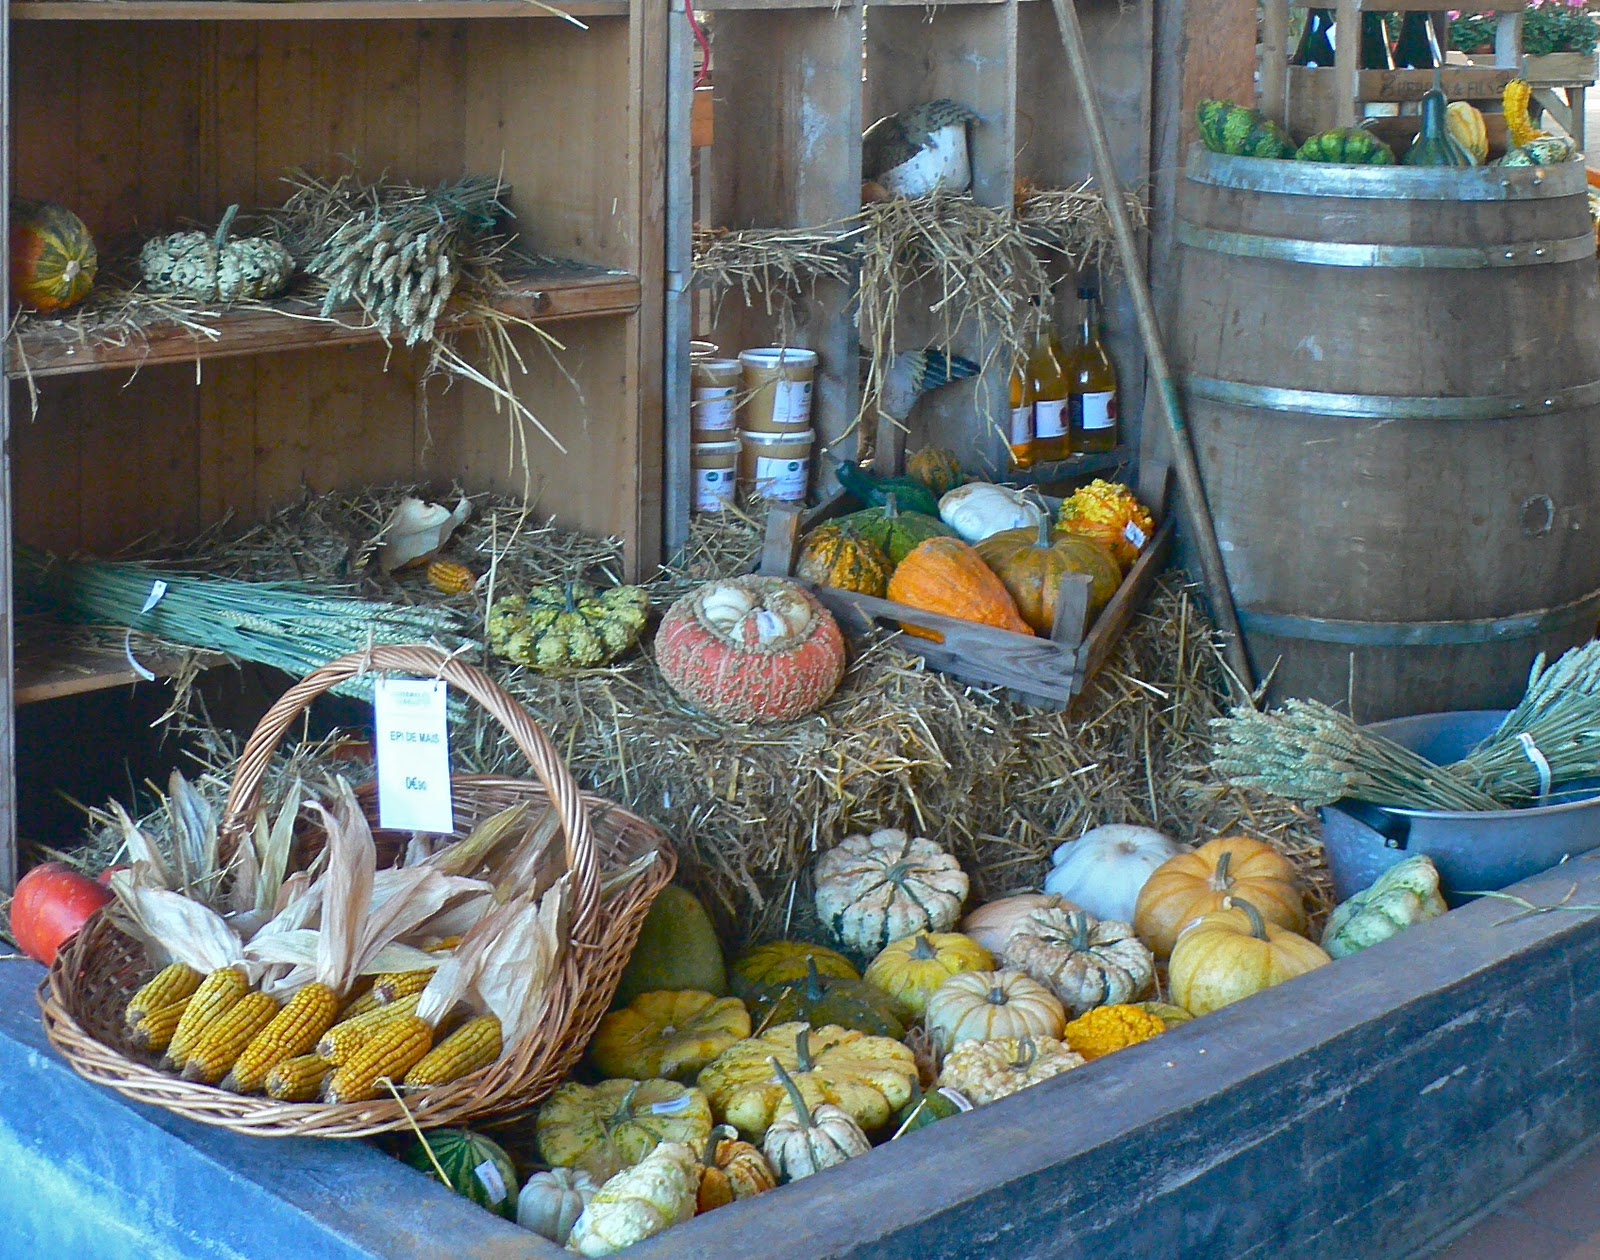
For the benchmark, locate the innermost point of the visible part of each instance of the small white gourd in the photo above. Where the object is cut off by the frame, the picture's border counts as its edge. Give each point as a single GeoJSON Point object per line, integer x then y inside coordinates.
{"type": "Point", "coordinates": [981, 508]}
{"type": "Point", "coordinates": [551, 1202]}
{"type": "Point", "coordinates": [1103, 870]}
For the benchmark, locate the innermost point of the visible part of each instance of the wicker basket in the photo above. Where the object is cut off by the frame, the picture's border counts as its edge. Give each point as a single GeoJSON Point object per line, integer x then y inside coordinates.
{"type": "Point", "coordinates": [93, 977]}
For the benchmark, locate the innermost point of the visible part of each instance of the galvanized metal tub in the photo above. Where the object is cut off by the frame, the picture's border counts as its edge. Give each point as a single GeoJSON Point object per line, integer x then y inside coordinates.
{"type": "Point", "coordinates": [1473, 851]}
{"type": "Point", "coordinates": [1392, 380]}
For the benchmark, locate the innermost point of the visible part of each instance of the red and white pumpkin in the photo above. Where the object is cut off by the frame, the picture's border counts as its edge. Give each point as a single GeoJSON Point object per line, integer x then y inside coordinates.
{"type": "Point", "coordinates": [751, 649]}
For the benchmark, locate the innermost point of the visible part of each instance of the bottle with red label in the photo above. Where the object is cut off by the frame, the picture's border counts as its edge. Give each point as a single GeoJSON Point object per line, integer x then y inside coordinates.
{"type": "Point", "coordinates": [1047, 374]}
{"type": "Point", "coordinates": [1019, 438]}
{"type": "Point", "coordinates": [1092, 384]}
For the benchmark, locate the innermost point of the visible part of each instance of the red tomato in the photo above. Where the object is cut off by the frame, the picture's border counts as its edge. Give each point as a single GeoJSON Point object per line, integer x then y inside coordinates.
{"type": "Point", "coordinates": [53, 901]}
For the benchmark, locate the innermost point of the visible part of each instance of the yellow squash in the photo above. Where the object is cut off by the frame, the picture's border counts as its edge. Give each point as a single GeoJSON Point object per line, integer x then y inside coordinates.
{"type": "Point", "coordinates": [912, 969]}
{"type": "Point", "coordinates": [868, 1077]}
{"type": "Point", "coordinates": [671, 1033]}
{"type": "Point", "coordinates": [1230, 954]}
{"type": "Point", "coordinates": [613, 1125]}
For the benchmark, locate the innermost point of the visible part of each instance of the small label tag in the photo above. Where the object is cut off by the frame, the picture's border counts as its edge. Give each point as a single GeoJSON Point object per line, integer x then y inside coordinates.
{"type": "Point", "coordinates": [493, 1183]}
{"type": "Point", "coordinates": [1135, 535]}
{"type": "Point", "coordinates": [673, 1107]}
{"type": "Point", "coordinates": [158, 590]}
{"type": "Point", "coordinates": [413, 755]}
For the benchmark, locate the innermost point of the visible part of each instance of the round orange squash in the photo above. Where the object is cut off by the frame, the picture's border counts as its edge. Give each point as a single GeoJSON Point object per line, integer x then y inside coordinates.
{"type": "Point", "coordinates": [1032, 563]}
{"type": "Point", "coordinates": [946, 576]}
{"type": "Point", "coordinates": [53, 258]}
{"type": "Point", "coordinates": [935, 467]}
{"type": "Point", "coordinates": [1231, 954]}
{"type": "Point", "coordinates": [1197, 883]}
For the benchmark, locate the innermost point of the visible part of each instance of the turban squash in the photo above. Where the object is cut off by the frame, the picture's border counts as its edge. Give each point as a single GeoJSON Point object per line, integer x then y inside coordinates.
{"type": "Point", "coordinates": [53, 257]}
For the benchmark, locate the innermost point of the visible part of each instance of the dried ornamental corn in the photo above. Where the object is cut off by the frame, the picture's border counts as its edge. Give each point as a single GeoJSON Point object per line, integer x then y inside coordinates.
{"type": "Point", "coordinates": [293, 1031]}
{"type": "Point", "coordinates": [398, 984]}
{"type": "Point", "coordinates": [225, 1038]}
{"type": "Point", "coordinates": [172, 983]}
{"type": "Point", "coordinates": [342, 1040]}
{"type": "Point", "coordinates": [299, 1079]}
{"type": "Point", "coordinates": [474, 1045]}
{"type": "Point", "coordinates": [217, 992]}
{"type": "Point", "coordinates": [388, 1054]}
{"type": "Point", "coordinates": [152, 1031]}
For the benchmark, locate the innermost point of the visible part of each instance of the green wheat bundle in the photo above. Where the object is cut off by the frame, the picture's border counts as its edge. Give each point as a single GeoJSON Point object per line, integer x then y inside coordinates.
{"type": "Point", "coordinates": [281, 624]}
{"type": "Point", "coordinates": [1307, 752]}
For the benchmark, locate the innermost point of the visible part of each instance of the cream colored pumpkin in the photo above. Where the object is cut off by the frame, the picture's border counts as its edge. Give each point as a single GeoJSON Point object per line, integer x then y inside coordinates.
{"type": "Point", "coordinates": [878, 888]}
{"type": "Point", "coordinates": [987, 1070]}
{"type": "Point", "coordinates": [1085, 961]}
{"type": "Point", "coordinates": [809, 1139]}
{"type": "Point", "coordinates": [1103, 870]}
{"type": "Point", "coordinates": [985, 1005]}
{"type": "Point", "coordinates": [551, 1202]}
{"type": "Point", "coordinates": [910, 971]}
{"type": "Point", "coordinates": [992, 923]}
{"type": "Point", "coordinates": [980, 509]}
{"type": "Point", "coordinates": [639, 1202]}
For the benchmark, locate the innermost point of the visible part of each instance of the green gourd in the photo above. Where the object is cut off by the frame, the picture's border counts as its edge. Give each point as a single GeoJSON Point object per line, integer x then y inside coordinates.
{"type": "Point", "coordinates": [929, 1108]}
{"type": "Point", "coordinates": [1547, 151]}
{"type": "Point", "coordinates": [895, 532]}
{"type": "Point", "coordinates": [1405, 894]}
{"type": "Point", "coordinates": [1434, 145]}
{"type": "Point", "coordinates": [874, 491]}
{"type": "Point", "coordinates": [822, 1000]}
{"type": "Point", "coordinates": [1232, 129]}
{"type": "Point", "coordinates": [1346, 146]}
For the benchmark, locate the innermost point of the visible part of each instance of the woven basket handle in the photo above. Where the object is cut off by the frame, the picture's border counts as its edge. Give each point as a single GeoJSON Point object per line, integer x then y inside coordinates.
{"type": "Point", "coordinates": [583, 859]}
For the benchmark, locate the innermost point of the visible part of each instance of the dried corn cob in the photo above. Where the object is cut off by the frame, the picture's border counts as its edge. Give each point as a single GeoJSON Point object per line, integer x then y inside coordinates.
{"type": "Point", "coordinates": [360, 1005]}
{"type": "Point", "coordinates": [299, 1079]}
{"type": "Point", "coordinates": [217, 992]}
{"type": "Point", "coordinates": [398, 984]}
{"type": "Point", "coordinates": [293, 1032]}
{"type": "Point", "coordinates": [474, 1045]}
{"type": "Point", "coordinates": [340, 1042]}
{"type": "Point", "coordinates": [225, 1038]}
{"type": "Point", "coordinates": [152, 1030]}
{"type": "Point", "coordinates": [172, 983]}
{"type": "Point", "coordinates": [389, 1053]}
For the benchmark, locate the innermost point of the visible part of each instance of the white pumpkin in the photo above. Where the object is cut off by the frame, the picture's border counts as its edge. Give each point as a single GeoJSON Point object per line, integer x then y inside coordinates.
{"type": "Point", "coordinates": [980, 508]}
{"type": "Point", "coordinates": [639, 1202]}
{"type": "Point", "coordinates": [1103, 871]}
{"type": "Point", "coordinates": [551, 1202]}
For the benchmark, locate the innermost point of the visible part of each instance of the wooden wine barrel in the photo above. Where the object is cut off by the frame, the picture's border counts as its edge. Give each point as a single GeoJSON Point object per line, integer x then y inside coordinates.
{"type": "Point", "coordinates": [1392, 377]}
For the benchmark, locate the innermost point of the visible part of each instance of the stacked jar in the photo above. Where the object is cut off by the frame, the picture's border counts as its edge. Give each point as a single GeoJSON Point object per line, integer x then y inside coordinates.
{"type": "Point", "coordinates": [714, 442]}
{"type": "Point", "coordinates": [775, 433]}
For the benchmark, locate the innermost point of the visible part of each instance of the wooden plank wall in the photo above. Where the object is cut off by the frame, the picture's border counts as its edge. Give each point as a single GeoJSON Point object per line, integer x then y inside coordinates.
{"type": "Point", "coordinates": [212, 113]}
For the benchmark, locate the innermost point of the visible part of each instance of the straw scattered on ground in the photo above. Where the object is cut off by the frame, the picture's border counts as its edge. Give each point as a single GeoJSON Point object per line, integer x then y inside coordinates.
{"type": "Point", "coordinates": [998, 783]}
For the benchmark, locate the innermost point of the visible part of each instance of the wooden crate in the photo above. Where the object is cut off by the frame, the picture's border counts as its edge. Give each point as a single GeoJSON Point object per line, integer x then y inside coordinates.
{"type": "Point", "coordinates": [1045, 672]}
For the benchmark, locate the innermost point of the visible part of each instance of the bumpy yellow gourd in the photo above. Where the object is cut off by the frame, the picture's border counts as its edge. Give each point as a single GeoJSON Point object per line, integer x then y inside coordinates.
{"type": "Point", "coordinates": [1514, 100]}
{"type": "Point", "coordinates": [1107, 1029]}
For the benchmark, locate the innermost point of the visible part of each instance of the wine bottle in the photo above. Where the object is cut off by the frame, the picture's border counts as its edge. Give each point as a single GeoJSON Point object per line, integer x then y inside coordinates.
{"type": "Point", "coordinates": [1316, 41]}
{"type": "Point", "coordinates": [1413, 50]}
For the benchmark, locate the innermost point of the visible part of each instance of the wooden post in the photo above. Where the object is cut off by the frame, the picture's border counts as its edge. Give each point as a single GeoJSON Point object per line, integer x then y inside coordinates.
{"type": "Point", "coordinates": [1275, 60]}
{"type": "Point", "coordinates": [1347, 63]}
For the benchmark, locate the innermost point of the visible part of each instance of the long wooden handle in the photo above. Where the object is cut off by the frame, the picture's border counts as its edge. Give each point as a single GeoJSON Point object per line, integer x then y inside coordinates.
{"type": "Point", "coordinates": [1197, 516]}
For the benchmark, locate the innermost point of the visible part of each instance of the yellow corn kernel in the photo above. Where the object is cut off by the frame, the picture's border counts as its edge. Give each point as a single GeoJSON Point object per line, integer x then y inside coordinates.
{"type": "Point", "coordinates": [340, 1042]}
{"type": "Point", "coordinates": [217, 992]}
{"type": "Point", "coordinates": [359, 1004]}
{"type": "Point", "coordinates": [293, 1031]}
{"type": "Point", "coordinates": [390, 1053]}
{"type": "Point", "coordinates": [225, 1038]}
{"type": "Point", "coordinates": [451, 578]}
{"type": "Point", "coordinates": [172, 983]}
{"type": "Point", "coordinates": [474, 1045]}
{"type": "Point", "coordinates": [398, 984]}
{"type": "Point", "coordinates": [299, 1079]}
{"type": "Point", "coordinates": [153, 1030]}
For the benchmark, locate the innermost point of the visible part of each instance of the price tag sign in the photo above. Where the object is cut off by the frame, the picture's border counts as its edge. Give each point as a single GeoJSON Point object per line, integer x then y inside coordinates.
{"type": "Point", "coordinates": [413, 755]}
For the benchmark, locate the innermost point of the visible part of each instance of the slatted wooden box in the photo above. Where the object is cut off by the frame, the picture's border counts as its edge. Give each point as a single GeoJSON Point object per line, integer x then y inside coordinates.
{"type": "Point", "coordinates": [1045, 672]}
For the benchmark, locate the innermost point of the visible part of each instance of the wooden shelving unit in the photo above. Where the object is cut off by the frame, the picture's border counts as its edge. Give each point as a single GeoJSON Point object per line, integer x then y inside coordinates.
{"type": "Point", "coordinates": [787, 152]}
{"type": "Point", "coordinates": [141, 115]}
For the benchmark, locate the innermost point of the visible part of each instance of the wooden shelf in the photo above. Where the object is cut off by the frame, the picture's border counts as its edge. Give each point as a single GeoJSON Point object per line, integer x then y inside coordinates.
{"type": "Point", "coordinates": [304, 10]}
{"type": "Point", "coordinates": [561, 292]}
{"type": "Point", "coordinates": [46, 671]}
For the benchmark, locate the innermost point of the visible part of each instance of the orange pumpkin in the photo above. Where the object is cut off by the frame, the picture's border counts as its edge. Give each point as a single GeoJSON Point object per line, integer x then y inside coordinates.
{"type": "Point", "coordinates": [946, 576]}
{"type": "Point", "coordinates": [1033, 562]}
{"type": "Point", "coordinates": [1193, 884]}
{"type": "Point", "coordinates": [935, 467]}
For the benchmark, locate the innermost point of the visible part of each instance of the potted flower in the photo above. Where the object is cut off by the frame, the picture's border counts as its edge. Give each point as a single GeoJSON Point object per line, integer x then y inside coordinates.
{"type": "Point", "coordinates": [1558, 40]}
